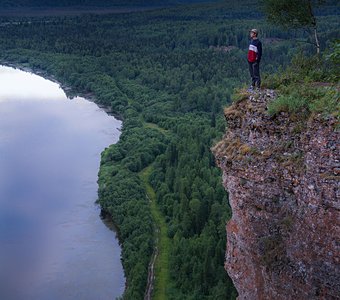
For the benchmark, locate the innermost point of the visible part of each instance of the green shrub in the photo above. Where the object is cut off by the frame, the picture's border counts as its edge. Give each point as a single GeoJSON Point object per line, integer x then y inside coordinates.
{"type": "Point", "coordinates": [287, 103]}
{"type": "Point", "coordinates": [307, 99]}
{"type": "Point", "coordinates": [307, 69]}
{"type": "Point", "coordinates": [328, 103]}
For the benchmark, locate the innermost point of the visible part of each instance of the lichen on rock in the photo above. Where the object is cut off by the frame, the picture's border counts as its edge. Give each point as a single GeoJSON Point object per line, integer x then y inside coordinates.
{"type": "Point", "coordinates": [282, 175]}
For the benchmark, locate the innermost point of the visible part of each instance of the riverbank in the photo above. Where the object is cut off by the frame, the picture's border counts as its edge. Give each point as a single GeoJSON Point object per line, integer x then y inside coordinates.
{"type": "Point", "coordinates": [119, 183]}
{"type": "Point", "coordinates": [69, 91]}
{"type": "Point", "coordinates": [52, 236]}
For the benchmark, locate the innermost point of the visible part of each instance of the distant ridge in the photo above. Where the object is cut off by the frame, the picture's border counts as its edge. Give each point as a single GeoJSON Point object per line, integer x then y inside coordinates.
{"type": "Point", "coordinates": [6, 4]}
{"type": "Point", "coordinates": [41, 8]}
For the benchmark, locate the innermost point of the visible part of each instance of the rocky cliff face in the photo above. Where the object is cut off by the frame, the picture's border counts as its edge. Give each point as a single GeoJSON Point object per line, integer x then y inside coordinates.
{"type": "Point", "coordinates": [282, 174]}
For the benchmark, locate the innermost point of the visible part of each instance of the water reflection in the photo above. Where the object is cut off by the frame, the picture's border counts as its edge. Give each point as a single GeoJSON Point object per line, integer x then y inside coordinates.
{"type": "Point", "coordinates": [53, 244]}
{"type": "Point", "coordinates": [24, 85]}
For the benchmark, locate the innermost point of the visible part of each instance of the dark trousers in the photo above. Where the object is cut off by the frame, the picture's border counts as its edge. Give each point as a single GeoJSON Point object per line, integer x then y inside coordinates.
{"type": "Point", "coordinates": [254, 69]}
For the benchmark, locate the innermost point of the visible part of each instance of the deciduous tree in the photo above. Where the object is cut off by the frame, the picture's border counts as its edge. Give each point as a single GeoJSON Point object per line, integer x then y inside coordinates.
{"type": "Point", "coordinates": [294, 14]}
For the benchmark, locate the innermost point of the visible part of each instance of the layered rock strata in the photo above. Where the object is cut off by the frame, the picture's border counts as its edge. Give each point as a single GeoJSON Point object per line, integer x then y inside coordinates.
{"type": "Point", "coordinates": [282, 175]}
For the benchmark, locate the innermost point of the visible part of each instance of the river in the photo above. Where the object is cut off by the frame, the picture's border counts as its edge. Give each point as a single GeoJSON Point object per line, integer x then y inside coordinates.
{"type": "Point", "coordinates": [53, 244]}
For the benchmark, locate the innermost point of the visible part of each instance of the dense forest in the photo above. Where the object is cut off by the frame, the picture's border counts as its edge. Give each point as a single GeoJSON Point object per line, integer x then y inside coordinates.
{"type": "Point", "coordinates": [168, 74]}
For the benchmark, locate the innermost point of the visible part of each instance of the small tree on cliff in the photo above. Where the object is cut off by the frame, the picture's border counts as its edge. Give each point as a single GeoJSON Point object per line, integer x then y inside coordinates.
{"type": "Point", "coordinates": [294, 14]}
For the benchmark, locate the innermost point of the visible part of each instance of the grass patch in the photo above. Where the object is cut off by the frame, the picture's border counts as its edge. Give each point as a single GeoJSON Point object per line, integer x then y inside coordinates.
{"type": "Point", "coordinates": [307, 99]}
{"type": "Point", "coordinates": [155, 126]}
{"type": "Point", "coordinates": [309, 85]}
{"type": "Point", "coordinates": [240, 95]}
{"type": "Point", "coordinates": [163, 241]}
{"type": "Point", "coordinates": [287, 103]}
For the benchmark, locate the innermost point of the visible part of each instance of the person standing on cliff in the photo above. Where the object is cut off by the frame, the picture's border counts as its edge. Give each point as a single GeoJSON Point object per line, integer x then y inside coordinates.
{"type": "Point", "coordinates": [254, 58]}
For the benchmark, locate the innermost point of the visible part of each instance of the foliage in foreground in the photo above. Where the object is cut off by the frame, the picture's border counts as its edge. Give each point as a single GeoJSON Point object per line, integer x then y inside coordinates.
{"type": "Point", "coordinates": [309, 85]}
{"type": "Point", "coordinates": [294, 14]}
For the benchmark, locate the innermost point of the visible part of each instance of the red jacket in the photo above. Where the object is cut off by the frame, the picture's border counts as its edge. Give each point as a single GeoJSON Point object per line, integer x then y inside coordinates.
{"type": "Point", "coordinates": [255, 51]}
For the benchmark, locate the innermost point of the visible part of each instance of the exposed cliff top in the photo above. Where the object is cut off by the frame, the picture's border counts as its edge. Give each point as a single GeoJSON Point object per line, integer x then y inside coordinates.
{"type": "Point", "coordinates": [282, 173]}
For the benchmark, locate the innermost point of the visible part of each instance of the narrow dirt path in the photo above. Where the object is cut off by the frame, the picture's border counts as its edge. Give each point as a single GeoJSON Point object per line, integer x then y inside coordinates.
{"type": "Point", "coordinates": [158, 277]}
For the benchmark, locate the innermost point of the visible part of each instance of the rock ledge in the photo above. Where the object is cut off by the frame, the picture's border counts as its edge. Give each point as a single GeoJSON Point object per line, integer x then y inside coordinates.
{"type": "Point", "coordinates": [282, 175]}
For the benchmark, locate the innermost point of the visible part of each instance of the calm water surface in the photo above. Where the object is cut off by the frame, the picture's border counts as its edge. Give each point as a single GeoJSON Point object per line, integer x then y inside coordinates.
{"type": "Point", "coordinates": [53, 245]}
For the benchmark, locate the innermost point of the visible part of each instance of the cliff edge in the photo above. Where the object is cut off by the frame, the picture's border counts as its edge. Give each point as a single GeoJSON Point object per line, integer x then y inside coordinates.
{"type": "Point", "coordinates": [282, 175]}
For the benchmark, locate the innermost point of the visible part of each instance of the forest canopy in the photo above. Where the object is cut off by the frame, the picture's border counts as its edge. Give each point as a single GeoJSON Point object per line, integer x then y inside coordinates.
{"type": "Point", "coordinates": [90, 3]}
{"type": "Point", "coordinates": [168, 74]}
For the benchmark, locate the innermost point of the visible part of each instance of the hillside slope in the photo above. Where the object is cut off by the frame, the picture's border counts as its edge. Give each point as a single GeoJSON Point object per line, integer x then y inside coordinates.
{"type": "Point", "coordinates": [282, 176]}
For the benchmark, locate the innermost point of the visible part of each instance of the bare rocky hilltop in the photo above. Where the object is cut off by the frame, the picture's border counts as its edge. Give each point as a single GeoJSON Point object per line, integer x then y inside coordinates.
{"type": "Point", "coordinates": [282, 175]}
